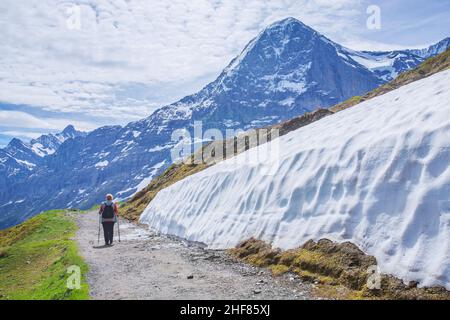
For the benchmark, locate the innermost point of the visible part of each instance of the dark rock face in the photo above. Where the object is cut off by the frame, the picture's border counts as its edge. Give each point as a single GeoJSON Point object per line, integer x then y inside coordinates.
{"type": "Point", "coordinates": [289, 69]}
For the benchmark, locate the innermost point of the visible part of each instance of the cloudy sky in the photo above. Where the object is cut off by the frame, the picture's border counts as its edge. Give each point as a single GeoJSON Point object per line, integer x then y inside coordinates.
{"type": "Point", "coordinates": [97, 62]}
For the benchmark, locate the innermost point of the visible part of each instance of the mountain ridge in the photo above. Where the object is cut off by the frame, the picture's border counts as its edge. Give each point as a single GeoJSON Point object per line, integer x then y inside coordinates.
{"type": "Point", "coordinates": [287, 70]}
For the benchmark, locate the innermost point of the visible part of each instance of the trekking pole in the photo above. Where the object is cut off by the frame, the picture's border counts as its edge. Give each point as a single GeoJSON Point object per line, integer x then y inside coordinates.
{"type": "Point", "coordinates": [98, 237]}
{"type": "Point", "coordinates": [118, 227]}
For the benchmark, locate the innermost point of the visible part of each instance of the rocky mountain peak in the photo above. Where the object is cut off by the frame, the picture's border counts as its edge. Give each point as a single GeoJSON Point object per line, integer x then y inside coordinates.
{"type": "Point", "coordinates": [69, 130]}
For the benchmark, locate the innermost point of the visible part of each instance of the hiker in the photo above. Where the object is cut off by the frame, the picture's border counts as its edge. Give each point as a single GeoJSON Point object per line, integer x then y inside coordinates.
{"type": "Point", "coordinates": [109, 213]}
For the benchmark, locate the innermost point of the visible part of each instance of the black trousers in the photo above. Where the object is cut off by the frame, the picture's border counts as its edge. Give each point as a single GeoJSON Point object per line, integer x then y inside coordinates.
{"type": "Point", "coordinates": [108, 230]}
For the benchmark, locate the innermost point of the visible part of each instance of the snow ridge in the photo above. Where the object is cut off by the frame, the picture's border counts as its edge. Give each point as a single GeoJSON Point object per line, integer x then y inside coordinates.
{"type": "Point", "coordinates": [377, 174]}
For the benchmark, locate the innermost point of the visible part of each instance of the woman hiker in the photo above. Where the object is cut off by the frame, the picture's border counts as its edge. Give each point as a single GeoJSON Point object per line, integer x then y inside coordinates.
{"type": "Point", "coordinates": [109, 213]}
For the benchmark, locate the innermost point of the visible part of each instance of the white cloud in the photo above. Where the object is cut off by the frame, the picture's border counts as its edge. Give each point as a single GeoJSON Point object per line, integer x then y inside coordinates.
{"type": "Point", "coordinates": [130, 57]}
{"type": "Point", "coordinates": [22, 134]}
{"type": "Point", "coordinates": [156, 43]}
{"type": "Point", "coordinates": [362, 44]}
{"type": "Point", "coordinates": [19, 119]}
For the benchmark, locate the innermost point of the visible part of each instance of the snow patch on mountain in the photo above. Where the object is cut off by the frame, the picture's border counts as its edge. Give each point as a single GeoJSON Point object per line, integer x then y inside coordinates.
{"type": "Point", "coordinates": [144, 182]}
{"type": "Point", "coordinates": [42, 151]}
{"type": "Point", "coordinates": [372, 62]}
{"type": "Point", "coordinates": [29, 165]}
{"type": "Point", "coordinates": [377, 174]}
{"type": "Point", "coordinates": [130, 192]}
{"type": "Point", "coordinates": [41, 147]}
{"type": "Point", "coordinates": [102, 164]}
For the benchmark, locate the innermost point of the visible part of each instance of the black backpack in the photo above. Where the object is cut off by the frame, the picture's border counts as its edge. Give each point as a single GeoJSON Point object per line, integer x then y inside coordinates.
{"type": "Point", "coordinates": [108, 212]}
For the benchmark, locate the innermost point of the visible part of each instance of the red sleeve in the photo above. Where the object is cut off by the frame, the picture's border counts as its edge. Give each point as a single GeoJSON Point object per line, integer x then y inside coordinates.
{"type": "Point", "coordinates": [116, 208]}
{"type": "Point", "coordinates": [102, 207]}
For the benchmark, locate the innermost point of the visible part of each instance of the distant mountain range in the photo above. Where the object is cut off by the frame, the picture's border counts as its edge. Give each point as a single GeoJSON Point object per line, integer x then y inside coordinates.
{"type": "Point", "coordinates": [21, 158]}
{"type": "Point", "coordinates": [287, 70]}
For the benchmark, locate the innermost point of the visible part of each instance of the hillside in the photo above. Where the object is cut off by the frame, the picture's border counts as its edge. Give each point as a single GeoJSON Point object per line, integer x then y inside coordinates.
{"type": "Point", "coordinates": [136, 205]}
{"type": "Point", "coordinates": [376, 175]}
{"type": "Point", "coordinates": [288, 69]}
{"type": "Point", "coordinates": [35, 255]}
{"type": "Point", "coordinates": [426, 69]}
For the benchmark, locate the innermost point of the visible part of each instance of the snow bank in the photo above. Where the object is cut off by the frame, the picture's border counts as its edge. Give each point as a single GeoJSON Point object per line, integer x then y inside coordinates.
{"type": "Point", "coordinates": [376, 174]}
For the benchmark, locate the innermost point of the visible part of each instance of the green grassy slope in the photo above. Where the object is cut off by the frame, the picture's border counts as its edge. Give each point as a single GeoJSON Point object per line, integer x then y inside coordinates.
{"type": "Point", "coordinates": [35, 255]}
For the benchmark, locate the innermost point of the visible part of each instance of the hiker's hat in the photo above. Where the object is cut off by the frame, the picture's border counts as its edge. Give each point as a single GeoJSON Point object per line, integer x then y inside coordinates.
{"type": "Point", "coordinates": [109, 196]}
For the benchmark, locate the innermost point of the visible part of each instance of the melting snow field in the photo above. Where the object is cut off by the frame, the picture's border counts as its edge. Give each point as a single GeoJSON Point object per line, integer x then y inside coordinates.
{"type": "Point", "coordinates": [376, 174]}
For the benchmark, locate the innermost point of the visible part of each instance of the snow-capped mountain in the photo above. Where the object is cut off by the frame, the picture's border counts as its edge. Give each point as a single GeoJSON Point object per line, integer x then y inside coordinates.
{"type": "Point", "coordinates": [387, 65]}
{"type": "Point", "coordinates": [377, 174]}
{"type": "Point", "coordinates": [433, 50]}
{"type": "Point", "coordinates": [19, 160]}
{"type": "Point", "coordinates": [31, 153]}
{"type": "Point", "coordinates": [48, 144]}
{"type": "Point", "coordinates": [286, 70]}
{"type": "Point", "coordinates": [27, 155]}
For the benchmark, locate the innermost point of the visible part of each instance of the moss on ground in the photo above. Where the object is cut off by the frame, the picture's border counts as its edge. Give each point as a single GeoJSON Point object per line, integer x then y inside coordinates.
{"type": "Point", "coordinates": [278, 270]}
{"type": "Point", "coordinates": [35, 255]}
{"type": "Point", "coordinates": [339, 270]}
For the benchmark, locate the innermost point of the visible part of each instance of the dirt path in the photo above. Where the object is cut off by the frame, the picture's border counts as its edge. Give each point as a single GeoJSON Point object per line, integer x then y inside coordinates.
{"type": "Point", "coordinates": [146, 265]}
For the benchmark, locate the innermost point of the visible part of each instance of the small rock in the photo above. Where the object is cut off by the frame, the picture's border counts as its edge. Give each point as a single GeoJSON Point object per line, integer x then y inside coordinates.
{"type": "Point", "coordinates": [190, 277]}
{"type": "Point", "coordinates": [257, 291]}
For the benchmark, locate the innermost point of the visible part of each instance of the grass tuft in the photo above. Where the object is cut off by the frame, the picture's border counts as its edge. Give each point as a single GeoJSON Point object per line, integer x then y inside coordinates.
{"type": "Point", "coordinates": [34, 257]}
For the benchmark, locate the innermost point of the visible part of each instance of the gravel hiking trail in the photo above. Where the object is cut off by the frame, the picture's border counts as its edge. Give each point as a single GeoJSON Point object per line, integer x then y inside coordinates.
{"type": "Point", "coordinates": [148, 265]}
